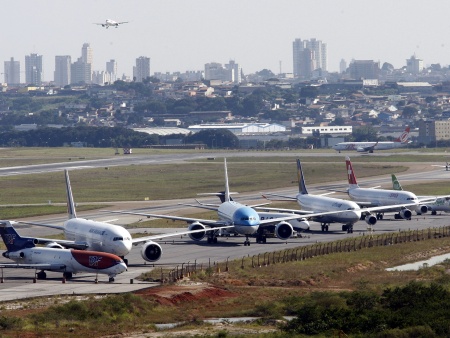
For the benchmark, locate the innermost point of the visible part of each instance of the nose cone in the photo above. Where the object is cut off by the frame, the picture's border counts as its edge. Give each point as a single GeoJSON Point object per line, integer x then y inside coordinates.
{"type": "Point", "coordinates": [122, 248]}
{"type": "Point", "coordinates": [120, 267]}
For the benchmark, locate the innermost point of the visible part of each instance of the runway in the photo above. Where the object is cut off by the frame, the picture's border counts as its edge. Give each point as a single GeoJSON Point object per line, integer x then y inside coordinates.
{"type": "Point", "coordinates": [178, 251]}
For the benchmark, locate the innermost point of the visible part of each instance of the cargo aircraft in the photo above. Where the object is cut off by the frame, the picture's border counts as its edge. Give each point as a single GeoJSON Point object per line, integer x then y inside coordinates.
{"type": "Point", "coordinates": [110, 23]}
{"type": "Point", "coordinates": [370, 147]}
{"type": "Point", "coordinates": [371, 197]}
{"type": "Point", "coordinates": [84, 234]}
{"type": "Point", "coordinates": [26, 255]}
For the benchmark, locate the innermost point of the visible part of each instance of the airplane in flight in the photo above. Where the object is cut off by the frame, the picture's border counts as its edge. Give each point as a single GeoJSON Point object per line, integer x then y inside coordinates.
{"type": "Point", "coordinates": [84, 234]}
{"type": "Point", "coordinates": [370, 147]}
{"type": "Point", "coordinates": [240, 218]}
{"type": "Point", "coordinates": [26, 255]}
{"type": "Point", "coordinates": [441, 203]}
{"type": "Point", "coordinates": [110, 23]}
{"type": "Point", "coordinates": [404, 201]}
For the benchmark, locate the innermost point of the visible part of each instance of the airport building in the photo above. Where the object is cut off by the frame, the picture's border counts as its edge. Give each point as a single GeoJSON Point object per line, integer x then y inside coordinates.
{"type": "Point", "coordinates": [431, 131]}
{"type": "Point", "coordinates": [241, 128]}
{"type": "Point", "coordinates": [322, 130]}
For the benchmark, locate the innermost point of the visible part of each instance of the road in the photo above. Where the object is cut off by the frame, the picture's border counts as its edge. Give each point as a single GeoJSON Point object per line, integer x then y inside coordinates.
{"type": "Point", "coordinates": [181, 250]}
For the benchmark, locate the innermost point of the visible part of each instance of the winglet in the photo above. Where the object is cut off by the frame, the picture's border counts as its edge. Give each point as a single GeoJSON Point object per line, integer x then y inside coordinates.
{"type": "Point", "coordinates": [350, 174]}
{"type": "Point", "coordinates": [395, 183]}
{"type": "Point", "coordinates": [227, 188]}
{"type": "Point", "coordinates": [70, 203]}
{"type": "Point", "coordinates": [12, 239]}
{"type": "Point", "coordinates": [301, 179]}
{"type": "Point", "coordinates": [403, 138]}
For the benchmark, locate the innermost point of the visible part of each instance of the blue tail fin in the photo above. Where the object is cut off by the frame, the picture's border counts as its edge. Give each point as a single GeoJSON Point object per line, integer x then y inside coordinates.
{"type": "Point", "coordinates": [12, 239]}
{"type": "Point", "coordinates": [301, 179]}
{"type": "Point", "coordinates": [70, 203]}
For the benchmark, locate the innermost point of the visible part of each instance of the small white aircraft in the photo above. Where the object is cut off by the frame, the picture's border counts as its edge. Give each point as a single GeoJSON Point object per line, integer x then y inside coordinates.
{"type": "Point", "coordinates": [110, 23]}
{"type": "Point", "coordinates": [27, 255]}
{"type": "Point", "coordinates": [381, 197]}
{"type": "Point", "coordinates": [446, 166]}
{"type": "Point", "coordinates": [370, 147]}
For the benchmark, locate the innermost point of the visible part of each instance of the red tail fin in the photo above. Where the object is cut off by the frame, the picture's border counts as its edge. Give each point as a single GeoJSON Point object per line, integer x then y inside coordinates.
{"type": "Point", "coordinates": [350, 174]}
{"type": "Point", "coordinates": [403, 138]}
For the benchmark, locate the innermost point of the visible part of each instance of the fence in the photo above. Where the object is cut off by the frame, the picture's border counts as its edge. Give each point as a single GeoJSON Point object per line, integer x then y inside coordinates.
{"type": "Point", "coordinates": [307, 252]}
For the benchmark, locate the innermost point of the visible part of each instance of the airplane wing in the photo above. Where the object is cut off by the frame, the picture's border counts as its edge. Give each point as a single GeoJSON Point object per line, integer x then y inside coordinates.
{"type": "Point", "coordinates": [119, 23]}
{"type": "Point", "coordinates": [33, 266]}
{"type": "Point", "coordinates": [64, 243]}
{"type": "Point", "coordinates": [285, 198]}
{"type": "Point", "coordinates": [59, 227]}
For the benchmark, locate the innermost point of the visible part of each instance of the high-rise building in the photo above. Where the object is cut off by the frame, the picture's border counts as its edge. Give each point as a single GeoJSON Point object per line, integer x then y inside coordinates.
{"type": "Point", "coordinates": [81, 72]}
{"type": "Point", "coordinates": [12, 72]}
{"type": "Point", "coordinates": [142, 69]}
{"type": "Point", "coordinates": [62, 74]}
{"type": "Point", "coordinates": [111, 68]}
{"type": "Point", "coordinates": [364, 69]}
{"type": "Point", "coordinates": [342, 66]}
{"type": "Point", "coordinates": [234, 72]}
{"type": "Point", "coordinates": [308, 56]}
{"type": "Point", "coordinates": [87, 53]}
{"type": "Point", "coordinates": [33, 69]}
{"type": "Point", "coordinates": [414, 65]}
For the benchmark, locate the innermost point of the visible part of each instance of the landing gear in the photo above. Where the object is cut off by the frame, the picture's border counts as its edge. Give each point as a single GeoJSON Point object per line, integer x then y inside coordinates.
{"type": "Point", "coordinates": [212, 237]}
{"type": "Point", "coordinates": [433, 212]}
{"type": "Point", "coordinates": [348, 228]}
{"type": "Point", "coordinates": [260, 237]}
{"type": "Point", "coordinates": [324, 227]}
{"type": "Point", "coordinates": [111, 279]}
{"type": "Point", "coordinates": [379, 216]}
{"type": "Point", "coordinates": [246, 242]}
{"type": "Point", "coordinates": [67, 275]}
{"type": "Point", "coordinates": [41, 275]}
{"type": "Point", "coordinates": [125, 261]}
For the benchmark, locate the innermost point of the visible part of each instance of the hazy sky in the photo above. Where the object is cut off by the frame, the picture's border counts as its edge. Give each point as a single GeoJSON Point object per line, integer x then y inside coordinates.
{"type": "Point", "coordinates": [180, 35]}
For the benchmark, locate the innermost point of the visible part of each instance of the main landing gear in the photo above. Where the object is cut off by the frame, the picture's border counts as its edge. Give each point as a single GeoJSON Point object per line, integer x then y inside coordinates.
{"type": "Point", "coordinates": [324, 226]}
{"type": "Point", "coordinates": [260, 237]}
{"type": "Point", "coordinates": [348, 228]}
{"type": "Point", "coordinates": [212, 237]}
{"type": "Point", "coordinates": [41, 275]}
{"type": "Point", "coordinates": [380, 216]}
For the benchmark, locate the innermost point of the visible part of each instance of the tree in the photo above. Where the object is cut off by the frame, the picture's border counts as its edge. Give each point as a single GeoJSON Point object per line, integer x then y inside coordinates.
{"type": "Point", "coordinates": [409, 112]}
{"type": "Point", "coordinates": [364, 134]}
{"type": "Point", "coordinates": [214, 138]}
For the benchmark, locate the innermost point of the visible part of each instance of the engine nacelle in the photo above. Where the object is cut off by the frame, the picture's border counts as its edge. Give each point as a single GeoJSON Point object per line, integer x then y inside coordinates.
{"type": "Point", "coordinates": [197, 236]}
{"type": "Point", "coordinates": [284, 230]}
{"type": "Point", "coordinates": [151, 251]}
{"type": "Point", "coordinates": [371, 219]}
{"type": "Point", "coordinates": [13, 254]}
{"type": "Point", "coordinates": [405, 213]}
{"type": "Point", "coordinates": [301, 223]}
{"type": "Point", "coordinates": [423, 209]}
{"type": "Point", "coordinates": [54, 245]}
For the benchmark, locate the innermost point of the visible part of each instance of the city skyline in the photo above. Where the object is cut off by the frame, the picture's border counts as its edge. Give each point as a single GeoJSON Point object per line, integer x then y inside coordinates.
{"type": "Point", "coordinates": [184, 36]}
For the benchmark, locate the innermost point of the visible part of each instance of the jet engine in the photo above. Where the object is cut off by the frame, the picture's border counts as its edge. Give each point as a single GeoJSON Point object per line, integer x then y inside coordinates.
{"type": "Point", "coordinates": [13, 254]}
{"type": "Point", "coordinates": [283, 230]}
{"type": "Point", "coordinates": [54, 245]}
{"type": "Point", "coordinates": [151, 251]}
{"type": "Point", "coordinates": [423, 209]}
{"type": "Point", "coordinates": [301, 223]}
{"type": "Point", "coordinates": [197, 236]}
{"type": "Point", "coordinates": [371, 219]}
{"type": "Point", "coordinates": [405, 213]}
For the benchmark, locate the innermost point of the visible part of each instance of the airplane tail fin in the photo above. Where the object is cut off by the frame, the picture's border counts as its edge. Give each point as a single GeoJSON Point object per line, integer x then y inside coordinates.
{"type": "Point", "coordinates": [70, 203]}
{"type": "Point", "coordinates": [301, 179]}
{"type": "Point", "coordinates": [395, 183]}
{"type": "Point", "coordinates": [226, 195]}
{"type": "Point", "coordinates": [12, 239]}
{"type": "Point", "coordinates": [350, 174]}
{"type": "Point", "coordinates": [403, 138]}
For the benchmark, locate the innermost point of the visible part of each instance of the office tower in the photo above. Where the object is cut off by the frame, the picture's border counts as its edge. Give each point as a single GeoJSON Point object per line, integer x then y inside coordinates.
{"type": "Point", "coordinates": [33, 69]}
{"type": "Point", "coordinates": [364, 69]}
{"type": "Point", "coordinates": [414, 65]}
{"type": "Point", "coordinates": [308, 55]}
{"type": "Point", "coordinates": [111, 68]}
{"type": "Point", "coordinates": [87, 53]}
{"type": "Point", "coordinates": [12, 72]}
{"type": "Point", "coordinates": [62, 74]}
{"type": "Point", "coordinates": [234, 72]}
{"type": "Point", "coordinates": [81, 72]}
{"type": "Point", "coordinates": [142, 69]}
{"type": "Point", "coordinates": [342, 66]}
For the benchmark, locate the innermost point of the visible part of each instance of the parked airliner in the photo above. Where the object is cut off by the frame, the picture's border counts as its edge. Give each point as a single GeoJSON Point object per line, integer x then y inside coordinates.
{"type": "Point", "coordinates": [27, 255]}
{"type": "Point", "coordinates": [441, 203]}
{"type": "Point", "coordinates": [87, 234]}
{"type": "Point", "coordinates": [369, 147]}
{"type": "Point", "coordinates": [240, 218]}
{"type": "Point", "coordinates": [110, 23]}
{"type": "Point", "coordinates": [382, 197]}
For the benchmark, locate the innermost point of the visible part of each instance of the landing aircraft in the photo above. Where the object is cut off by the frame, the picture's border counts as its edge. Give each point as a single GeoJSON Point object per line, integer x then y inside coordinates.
{"type": "Point", "coordinates": [370, 147]}
{"type": "Point", "coordinates": [110, 23]}
{"type": "Point", "coordinates": [441, 203]}
{"type": "Point", "coordinates": [240, 218]}
{"type": "Point", "coordinates": [27, 255]}
{"type": "Point", "coordinates": [87, 234]}
{"type": "Point", "coordinates": [381, 197]}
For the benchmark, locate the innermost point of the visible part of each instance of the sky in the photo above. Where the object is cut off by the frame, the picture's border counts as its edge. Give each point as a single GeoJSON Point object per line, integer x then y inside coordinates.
{"type": "Point", "coordinates": [182, 35]}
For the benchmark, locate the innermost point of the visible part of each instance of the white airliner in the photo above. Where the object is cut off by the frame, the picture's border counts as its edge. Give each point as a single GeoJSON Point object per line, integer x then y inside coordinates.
{"type": "Point", "coordinates": [369, 147]}
{"type": "Point", "coordinates": [27, 255]}
{"type": "Point", "coordinates": [87, 234]}
{"type": "Point", "coordinates": [382, 197]}
{"type": "Point", "coordinates": [240, 218]}
{"type": "Point", "coordinates": [110, 23]}
{"type": "Point", "coordinates": [441, 203]}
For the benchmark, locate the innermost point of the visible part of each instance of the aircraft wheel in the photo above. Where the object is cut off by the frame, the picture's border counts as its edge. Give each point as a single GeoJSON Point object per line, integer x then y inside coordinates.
{"type": "Point", "coordinates": [326, 228]}
{"type": "Point", "coordinates": [264, 239]}
{"type": "Point", "coordinates": [67, 275]}
{"type": "Point", "coordinates": [41, 275]}
{"type": "Point", "coordinates": [215, 240]}
{"type": "Point", "coordinates": [111, 279]}
{"type": "Point", "coordinates": [434, 212]}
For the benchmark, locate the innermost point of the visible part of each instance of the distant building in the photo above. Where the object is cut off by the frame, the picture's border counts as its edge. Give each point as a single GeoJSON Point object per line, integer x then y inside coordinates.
{"type": "Point", "coordinates": [80, 72]}
{"type": "Point", "coordinates": [431, 131]}
{"type": "Point", "coordinates": [364, 69]}
{"type": "Point", "coordinates": [111, 68]}
{"type": "Point", "coordinates": [321, 130]}
{"type": "Point", "coordinates": [12, 72]}
{"type": "Point", "coordinates": [241, 128]}
{"type": "Point", "coordinates": [308, 56]}
{"type": "Point", "coordinates": [414, 65]}
{"type": "Point", "coordinates": [62, 74]}
{"type": "Point", "coordinates": [342, 66]}
{"type": "Point", "coordinates": [142, 69]}
{"type": "Point", "coordinates": [33, 69]}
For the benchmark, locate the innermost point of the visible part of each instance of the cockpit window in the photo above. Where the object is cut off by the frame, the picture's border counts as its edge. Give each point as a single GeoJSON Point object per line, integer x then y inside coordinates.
{"type": "Point", "coordinates": [118, 239]}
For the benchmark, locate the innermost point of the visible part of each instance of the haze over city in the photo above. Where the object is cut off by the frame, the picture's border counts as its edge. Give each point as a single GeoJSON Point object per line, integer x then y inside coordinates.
{"type": "Point", "coordinates": [182, 35]}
